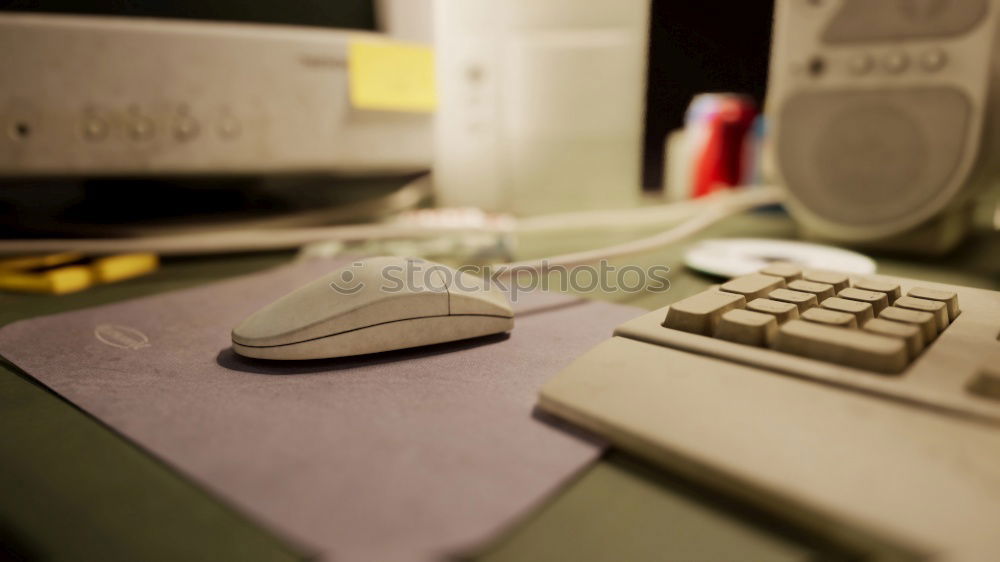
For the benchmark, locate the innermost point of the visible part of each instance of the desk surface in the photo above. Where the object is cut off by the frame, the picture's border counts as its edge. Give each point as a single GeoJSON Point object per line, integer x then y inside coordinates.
{"type": "Point", "coordinates": [76, 490]}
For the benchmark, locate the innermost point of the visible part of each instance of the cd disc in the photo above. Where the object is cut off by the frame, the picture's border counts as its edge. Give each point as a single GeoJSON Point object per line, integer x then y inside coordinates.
{"type": "Point", "coordinates": [731, 257]}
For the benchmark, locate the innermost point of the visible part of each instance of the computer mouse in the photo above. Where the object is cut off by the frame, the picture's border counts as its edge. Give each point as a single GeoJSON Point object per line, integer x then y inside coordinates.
{"type": "Point", "coordinates": [374, 305]}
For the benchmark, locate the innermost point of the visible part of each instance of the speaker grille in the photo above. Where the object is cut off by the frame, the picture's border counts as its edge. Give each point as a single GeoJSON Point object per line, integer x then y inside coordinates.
{"type": "Point", "coordinates": [870, 158]}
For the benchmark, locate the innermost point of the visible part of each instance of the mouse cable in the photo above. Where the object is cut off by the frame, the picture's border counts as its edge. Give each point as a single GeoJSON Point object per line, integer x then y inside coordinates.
{"type": "Point", "coordinates": [717, 207]}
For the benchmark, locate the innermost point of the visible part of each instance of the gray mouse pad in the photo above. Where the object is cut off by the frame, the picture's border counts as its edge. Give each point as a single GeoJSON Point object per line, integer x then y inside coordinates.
{"type": "Point", "coordinates": [406, 455]}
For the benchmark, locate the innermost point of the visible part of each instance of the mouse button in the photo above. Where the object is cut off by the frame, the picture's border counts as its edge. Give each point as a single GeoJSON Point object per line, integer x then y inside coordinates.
{"type": "Point", "coordinates": [364, 293]}
{"type": "Point", "coordinates": [471, 294]}
{"type": "Point", "coordinates": [433, 278]}
{"type": "Point", "coordinates": [319, 310]}
{"type": "Point", "coordinates": [284, 318]}
{"type": "Point", "coordinates": [404, 275]}
{"type": "Point", "coordinates": [388, 308]}
{"type": "Point", "coordinates": [394, 306]}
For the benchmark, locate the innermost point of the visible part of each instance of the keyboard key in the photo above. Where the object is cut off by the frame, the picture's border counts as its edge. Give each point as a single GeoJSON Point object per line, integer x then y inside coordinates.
{"type": "Point", "coordinates": [909, 333]}
{"type": "Point", "coordinates": [804, 301]}
{"type": "Point", "coordinates": [753, 286]}
{"type": "Point", "coordinates": [787, 271]}
{"type": "Point", "coordinates": [949, 298]}
{"type": "Point", "coordinates": [891, 290]}
{"type": "Point", "coordinates": [821, 290]}
{"type": "Point", "coordinates": [878, 300]}
{"type": "Point", "coordinates": [700, 314]}
{"type": "Point", "coordinates": [747, 327]}
{"type": "Point", "coordinates": [830, 317]}
{"type": "Point", "coordinates": [862, 311]}
{"type": "Point", "coordinates": [782, 311]}
{"type": "Point", "coordinates": [937, 308]}
{"type": "Point", "coordinates": [838, 280]}
{"type": "Point", "coordinates": [922, 320]}
{"type": "Point", "coordinates": [853, 348]}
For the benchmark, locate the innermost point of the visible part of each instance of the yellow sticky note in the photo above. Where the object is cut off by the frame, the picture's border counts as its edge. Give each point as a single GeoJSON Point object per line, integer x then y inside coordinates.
{"type": "Point", "coordinates": [390, 76]}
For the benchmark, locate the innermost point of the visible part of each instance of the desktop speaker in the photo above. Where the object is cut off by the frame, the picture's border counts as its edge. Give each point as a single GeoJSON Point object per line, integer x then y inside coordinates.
{"type": "Point", "coordinates": [884, 117]}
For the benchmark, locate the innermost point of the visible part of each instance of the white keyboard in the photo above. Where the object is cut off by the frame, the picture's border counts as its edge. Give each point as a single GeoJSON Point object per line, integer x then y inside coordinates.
{"type": "Point", "coordinates": [865, 408]}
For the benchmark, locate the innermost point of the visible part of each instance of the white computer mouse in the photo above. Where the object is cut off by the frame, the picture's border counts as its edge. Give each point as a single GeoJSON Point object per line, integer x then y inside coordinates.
{"type": "Point", "coordinates": [374, 305]}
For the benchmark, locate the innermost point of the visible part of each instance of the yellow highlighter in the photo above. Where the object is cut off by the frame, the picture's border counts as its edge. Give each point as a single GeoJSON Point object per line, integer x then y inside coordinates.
{"type": "Point", "coordinates": [110, 269]}
{"type": "Point", "coordinates": [58, 274]}
{"type": "Point", "coordinates": [62, 280]}
{"type": "Point", "coordinates": [26, 263]}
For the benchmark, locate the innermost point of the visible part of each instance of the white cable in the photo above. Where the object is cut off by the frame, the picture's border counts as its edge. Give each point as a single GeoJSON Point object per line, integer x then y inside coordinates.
{"type": "Point", "coordinates": [720, 207]}
{"type": "Point", "coordinates": [651, 215]}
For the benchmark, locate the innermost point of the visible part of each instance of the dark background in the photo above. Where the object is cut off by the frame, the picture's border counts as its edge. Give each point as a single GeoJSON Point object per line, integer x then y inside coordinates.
{"type": "Point", "coordinates": [357, 14]}
{"type": "Point", "coordinates": [700, 46]}
{"type": "Point", "coordinates": [695, 46]}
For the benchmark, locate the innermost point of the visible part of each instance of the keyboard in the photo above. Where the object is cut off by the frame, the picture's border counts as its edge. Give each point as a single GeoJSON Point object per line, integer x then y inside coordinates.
{"type": "Point", "coordinates": [865, 408]}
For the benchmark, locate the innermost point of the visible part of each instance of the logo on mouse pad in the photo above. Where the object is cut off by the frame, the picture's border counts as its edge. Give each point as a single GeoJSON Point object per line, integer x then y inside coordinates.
{"type": "Point", "coordinates": [121, 336]}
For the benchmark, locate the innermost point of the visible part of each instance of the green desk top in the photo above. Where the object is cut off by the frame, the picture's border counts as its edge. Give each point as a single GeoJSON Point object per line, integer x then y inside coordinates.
{"type": "Point", "coordinates": [73, 489]}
